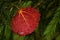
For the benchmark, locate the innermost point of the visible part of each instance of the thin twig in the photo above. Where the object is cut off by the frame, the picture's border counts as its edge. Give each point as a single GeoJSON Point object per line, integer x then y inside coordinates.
{"type": "Point", "coordinates": [20, 1]}
{"type": "Point", "coordinates": [11, 9]}
{"type": "Point", "coordinates": [40, 1]}
{"type": "Point", "coordinates": [15, 6]}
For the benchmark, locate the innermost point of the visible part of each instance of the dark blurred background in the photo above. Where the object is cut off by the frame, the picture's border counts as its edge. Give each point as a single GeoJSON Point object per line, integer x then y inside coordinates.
{"type": "Point", "coordinates": [49, 25]}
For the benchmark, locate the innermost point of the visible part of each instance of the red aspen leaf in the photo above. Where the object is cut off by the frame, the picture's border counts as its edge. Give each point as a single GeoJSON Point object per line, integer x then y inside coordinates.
{"type": "Point", "coordinates": [25, 21]}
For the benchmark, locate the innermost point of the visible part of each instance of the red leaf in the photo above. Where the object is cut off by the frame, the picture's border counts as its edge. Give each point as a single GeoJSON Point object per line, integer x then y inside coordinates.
{"type": "Point", "coordinates": [25, 21]}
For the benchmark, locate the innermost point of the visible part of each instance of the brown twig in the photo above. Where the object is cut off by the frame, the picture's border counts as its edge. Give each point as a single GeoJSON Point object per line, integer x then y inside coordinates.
{"type": "Point", "coordinates": [11, 9]}
{"type": "Point", "coordinates": [15, 6]}
{"type": "Point", "coordinates": [40, 1]}
{"type": "Point", "coordinates": [20, 1]}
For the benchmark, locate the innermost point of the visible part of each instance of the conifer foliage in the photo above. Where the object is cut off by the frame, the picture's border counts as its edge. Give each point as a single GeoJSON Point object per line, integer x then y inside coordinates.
{"type": "Point", "coordinates": [42, 17]}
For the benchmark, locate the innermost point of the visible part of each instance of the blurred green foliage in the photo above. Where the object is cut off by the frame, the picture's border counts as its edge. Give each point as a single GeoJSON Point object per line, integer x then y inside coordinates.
{"type": "Point", "coordinates": [49, 25]}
